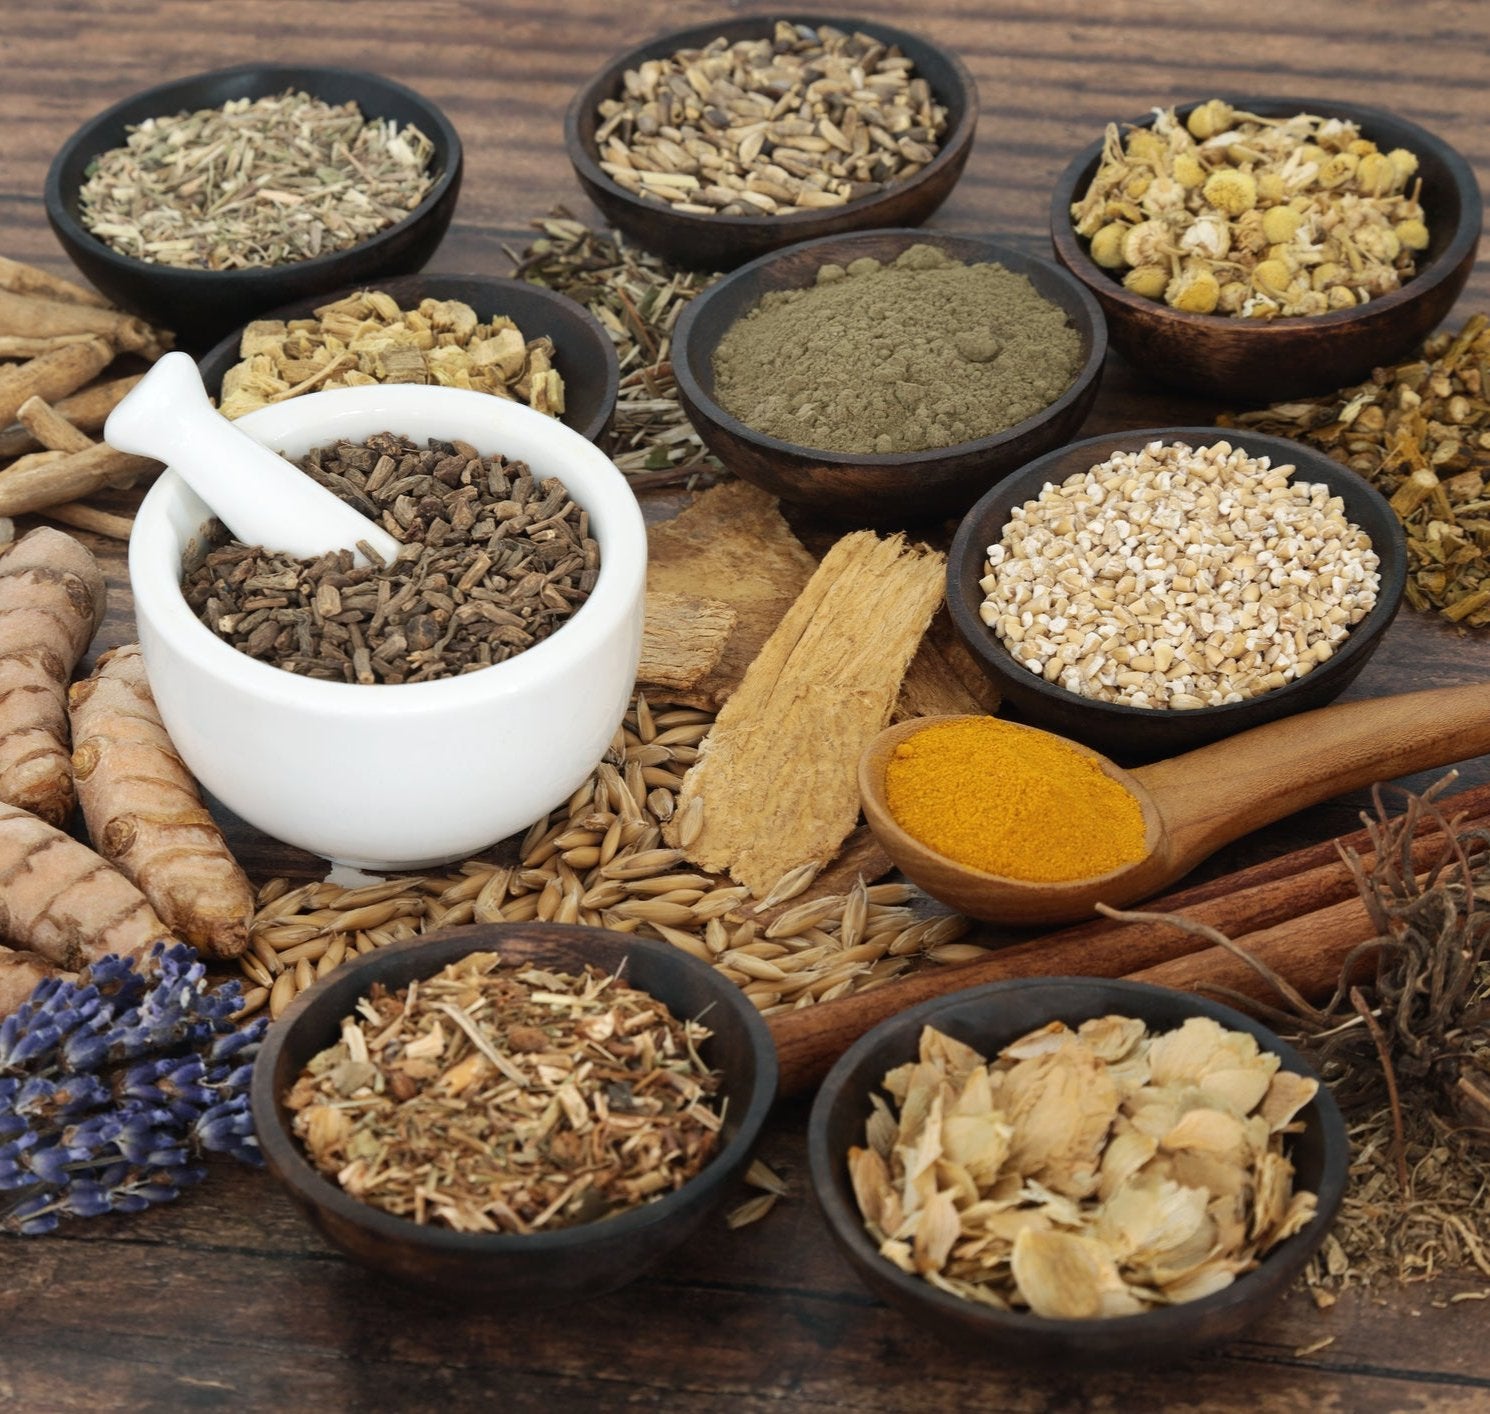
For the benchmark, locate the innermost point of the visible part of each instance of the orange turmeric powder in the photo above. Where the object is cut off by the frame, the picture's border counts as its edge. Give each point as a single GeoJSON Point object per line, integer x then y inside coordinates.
{"type": "Point", "coordinates": [1012, 801]}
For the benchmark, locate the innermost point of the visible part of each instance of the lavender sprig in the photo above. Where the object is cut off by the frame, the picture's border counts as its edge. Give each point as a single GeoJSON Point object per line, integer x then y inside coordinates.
{"type": "Point", "coordinates": [112, 1084]}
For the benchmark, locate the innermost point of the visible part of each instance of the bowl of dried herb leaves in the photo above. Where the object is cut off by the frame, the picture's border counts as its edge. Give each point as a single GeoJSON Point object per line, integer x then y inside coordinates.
{"type": "Point", "coordinates": [712, 145]}
{"type": "Point", "coordinates": [1254, 249]}
{"type": "Point", "coordinates": [530, 1112]}
{"type": "Point", "coordinates": [206, 200]}
{"type": "Point", "coordinates": [1076, 1171]}
{"type": "Point", "coordinates": [510, 338]}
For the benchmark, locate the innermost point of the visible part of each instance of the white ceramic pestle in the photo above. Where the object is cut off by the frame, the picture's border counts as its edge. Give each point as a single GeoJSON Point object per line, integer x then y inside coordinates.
{"type": "Point", "coordinates": [257, 494]}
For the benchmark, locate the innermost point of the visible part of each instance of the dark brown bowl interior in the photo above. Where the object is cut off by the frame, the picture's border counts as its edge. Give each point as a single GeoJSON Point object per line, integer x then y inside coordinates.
{"type": "Point", "coordinates": [544, 1268]}
{"type": "Point", "coordinates": [989, 1018]}
{"type": "Point", "coordinates": [583, 353]}
{"type": "Point", "coordinates": [1134, 734]}
{"type": "Point", "coordinates": [698, 242]}
{"type": "Point", "coordinates": [865, 487]}
{"type": "Point", "coordinates": [1243, 361]}
{"type": "Point", "coordinates": [202, 305]}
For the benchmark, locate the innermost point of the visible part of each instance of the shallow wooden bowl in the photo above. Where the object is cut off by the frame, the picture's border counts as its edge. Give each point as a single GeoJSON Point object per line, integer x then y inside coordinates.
{"type": "Point", "coordinates": [544, 1268]}
{"type": "Point", "coordinates": [202, 305]}
{"type": "Point", "coordinates": [1241, 361]}
{"type": "Point", "coordinates": [863, 486]}
{"type": "Point", "coordinates": [1132, 734]}
{"type": "Point", "coordinates": [698, 242]}
{"type": "Point", "coordinates": [988, 1018]}
{"type": "Point", "coordinates": [583, 353]}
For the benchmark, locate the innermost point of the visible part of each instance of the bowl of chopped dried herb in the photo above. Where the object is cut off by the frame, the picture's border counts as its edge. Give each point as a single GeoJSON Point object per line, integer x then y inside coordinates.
{"type": "Point", "coordinates": [888, 376]}
{"type": "Point", "coordinates": [398, 715]}
{"type": "Point", "coordinates": [511, 338]}
{"type": "Point", "coordinates": [1121, 1172]}
{"type": "Point", "coordinates": [612, 1089]}
{"type": "Point", "coordinates": [1255, 249]}
{"type": "Point", "coordinates": [1147, 592]}
{"type": "Point", "coordinates": [344, 176]}
{"type": "Point", "coordinates": [712, 145]}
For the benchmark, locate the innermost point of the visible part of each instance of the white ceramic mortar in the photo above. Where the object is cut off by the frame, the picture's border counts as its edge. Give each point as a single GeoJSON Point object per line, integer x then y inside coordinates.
{"type": "Point", "coordinates": [408, 775]}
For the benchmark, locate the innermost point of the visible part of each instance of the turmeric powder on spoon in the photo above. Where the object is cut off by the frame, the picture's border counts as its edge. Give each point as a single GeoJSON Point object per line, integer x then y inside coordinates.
{"type": "Point", "coordinates": [1012, 801]}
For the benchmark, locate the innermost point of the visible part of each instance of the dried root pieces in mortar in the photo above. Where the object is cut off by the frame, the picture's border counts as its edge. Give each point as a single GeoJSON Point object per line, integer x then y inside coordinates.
{"type": "Point", "coordinates": [144, 813]}
{"type": "Point", "coordinates": [51, 601]}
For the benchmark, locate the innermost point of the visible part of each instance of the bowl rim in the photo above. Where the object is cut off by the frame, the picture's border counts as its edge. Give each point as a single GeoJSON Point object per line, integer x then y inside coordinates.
{"type": "Point", "coordinates": [602, 83]}
{"type": "Point", "coordinates": [156, 582]}
{"type": "Point", "coordinates": [1311, 467]}
{"type": "Point", "coordinates": [1074, 252]}
{"type": "Point", "coordinates": [993, 250]}
{"type": "Point", "coordinates": [297, 1174]}
{"type": "Point", "coordinates": [89, 135]}
{"type": "Point", "coordinates": [227, 346]}
{"type": "Point", "coordinates": [847, 1227]}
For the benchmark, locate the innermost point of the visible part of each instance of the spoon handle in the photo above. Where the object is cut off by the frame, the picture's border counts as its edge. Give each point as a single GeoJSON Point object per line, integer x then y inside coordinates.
{"type": "Point", "coordinates": [1220, 792]}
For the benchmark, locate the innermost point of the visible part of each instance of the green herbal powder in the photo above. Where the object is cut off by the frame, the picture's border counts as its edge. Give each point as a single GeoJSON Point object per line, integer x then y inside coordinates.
{"type": "Point", "coordinates": [925, 352]}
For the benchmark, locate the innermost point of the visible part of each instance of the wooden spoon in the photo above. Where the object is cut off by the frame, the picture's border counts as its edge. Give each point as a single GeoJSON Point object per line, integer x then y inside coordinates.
{"type": "Point", "coordinates": [1195, 803]}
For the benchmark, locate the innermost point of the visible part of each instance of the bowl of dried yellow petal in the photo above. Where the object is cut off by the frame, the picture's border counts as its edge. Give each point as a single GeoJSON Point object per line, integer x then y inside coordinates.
{"type": "Point", "coordinates": [1077, 1170]}
{"type": "Point", "coordinates": [510, 338]}
{"type": "Point", "coordinates": [1257, 249]}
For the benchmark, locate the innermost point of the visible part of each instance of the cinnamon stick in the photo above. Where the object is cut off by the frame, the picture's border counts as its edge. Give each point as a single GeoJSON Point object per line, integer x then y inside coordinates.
{"type": "Point", "coordinates": [52, 375]}
{"type": "Point", "coordinates": [1261, 897]}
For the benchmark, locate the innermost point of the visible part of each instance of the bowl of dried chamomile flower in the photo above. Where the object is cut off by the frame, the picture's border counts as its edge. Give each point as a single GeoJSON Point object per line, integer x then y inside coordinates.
{"type": "Point", "coordinates": [1074, 1171]}
{"type": "Point", "coordinates": [1257, 249]}
{"type": "Point", "coordinates": [341, 176]}
{"type": "Point", "coordinates": [510, 338]}
{"type": "Point", "coordinates": [526, 1113]}
{"type": "Point", "coordinates": [712, 145]}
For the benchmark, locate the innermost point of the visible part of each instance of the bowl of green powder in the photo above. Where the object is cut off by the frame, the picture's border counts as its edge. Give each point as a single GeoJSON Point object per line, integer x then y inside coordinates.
{"type": "Point", "coordinates": [889, 375]}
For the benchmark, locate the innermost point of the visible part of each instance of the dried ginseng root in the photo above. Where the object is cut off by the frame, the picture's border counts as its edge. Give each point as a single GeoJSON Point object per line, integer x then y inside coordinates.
{"type": "Point", "coordinates": [498, 1097]}
{"type": "Point", "coordinates": [1085, 1173]}
{"type": "Point", "coordinates": [51, 600]}
{"type": "Point", "coordinates": [1419, 433]}
{"type": "Point", "coordinates": [366, 338]}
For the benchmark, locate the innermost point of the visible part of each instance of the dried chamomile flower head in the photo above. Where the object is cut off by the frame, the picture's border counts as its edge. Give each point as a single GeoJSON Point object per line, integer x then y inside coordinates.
{"type": "Point", "coordinates": [1087, 1173]}
{"type": "Point", "coordinates": [1252, 206]}
{"type": "Point", "coordinates": [366, 338]}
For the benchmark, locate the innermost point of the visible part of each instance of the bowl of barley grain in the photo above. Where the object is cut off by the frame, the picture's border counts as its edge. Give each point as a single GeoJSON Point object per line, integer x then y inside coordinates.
{"type": "Point", "coordinates": [1148, 592]}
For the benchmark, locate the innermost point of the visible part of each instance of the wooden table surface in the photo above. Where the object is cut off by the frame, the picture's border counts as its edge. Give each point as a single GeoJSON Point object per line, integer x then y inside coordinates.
{"type": "Point", "coordinates": [226, 1298]}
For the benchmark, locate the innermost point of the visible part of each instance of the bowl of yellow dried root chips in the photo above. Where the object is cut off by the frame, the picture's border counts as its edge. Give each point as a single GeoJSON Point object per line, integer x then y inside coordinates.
{"type": "Point", "coordinates": [1075, 1170]}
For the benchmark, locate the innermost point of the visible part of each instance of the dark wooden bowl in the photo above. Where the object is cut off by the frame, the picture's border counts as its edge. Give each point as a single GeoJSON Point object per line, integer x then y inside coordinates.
{"type": "Point", "coordinates": [544, 1268]}
{"type": "Point", "coordinates": [202, 305]}
{"type": "Point", "coordinates": [988, 1018]}
{"type": "Point", "coordinates": [1134, 734]}
{"type": "Point", "coordinates": [698, 242]}
{"type": "Point", "coordinates": [583, 352]}
{"type": "Point", "coordinates": [863, 486]}
{"type": "Point", "coordinates": [1243, 361]}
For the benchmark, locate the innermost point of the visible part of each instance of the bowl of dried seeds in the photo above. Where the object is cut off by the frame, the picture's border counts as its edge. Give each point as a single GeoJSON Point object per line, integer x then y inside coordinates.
{"type": "Point", "coordinates": [888, 376]}
{"type": "Point", "coordinates": [611, 1089]}
{"type": "Point", "coordinates": [1255, 249]}
{"type": "Point", "coordinates": [359, 177]}
{"type": "Point", "coordinates": [510, 338]}
{"type": "Point", "coordinates": [715, 144]}
{"type": "Point", "coordinates": [1147, 592]}
{"type": "Point", "coordinates": [1073, 1171]}
{"type": "Point", "coordinates": [395, 716]}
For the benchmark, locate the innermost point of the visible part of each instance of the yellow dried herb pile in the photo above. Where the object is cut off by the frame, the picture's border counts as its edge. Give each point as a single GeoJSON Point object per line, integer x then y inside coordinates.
{"type": "Point", "coordinates": [1088, 1172]}
{"type": "Point", "coordinates": [497, 1097]}
{"type": "Point", "coordinates": [366, 338]}
{"type": "Point", "coordinates": [1232, 213]}
{"type": "Point", "coordinates": [1419, 433]}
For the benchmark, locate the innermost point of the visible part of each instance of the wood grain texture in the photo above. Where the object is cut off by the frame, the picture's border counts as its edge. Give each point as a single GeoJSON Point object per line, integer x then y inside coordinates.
{"type": "Point", "coordinates": [227, 1298]}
